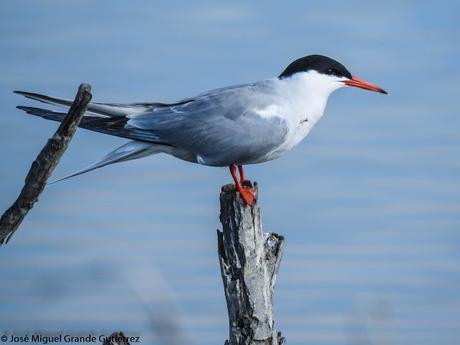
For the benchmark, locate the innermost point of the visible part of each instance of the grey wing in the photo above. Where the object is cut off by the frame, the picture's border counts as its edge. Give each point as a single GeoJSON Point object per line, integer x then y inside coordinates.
{"type": "Point", "coordinates": [220, 128]}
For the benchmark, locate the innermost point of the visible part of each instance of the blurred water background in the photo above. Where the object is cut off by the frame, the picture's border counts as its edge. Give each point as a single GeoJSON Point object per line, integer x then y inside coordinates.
{"type": "Point", "coordinates": [369, 202]}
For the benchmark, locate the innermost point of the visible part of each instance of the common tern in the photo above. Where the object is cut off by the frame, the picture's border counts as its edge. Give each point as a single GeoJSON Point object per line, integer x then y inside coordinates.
{"type": "Point", "coordinates": [231, 126]}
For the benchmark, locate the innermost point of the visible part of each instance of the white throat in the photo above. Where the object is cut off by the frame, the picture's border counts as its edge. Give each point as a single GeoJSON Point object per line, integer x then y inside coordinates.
{"type": "Point", "coordinates": [307, 94]}
{"type": "Point", "coordinates": [302, 100]}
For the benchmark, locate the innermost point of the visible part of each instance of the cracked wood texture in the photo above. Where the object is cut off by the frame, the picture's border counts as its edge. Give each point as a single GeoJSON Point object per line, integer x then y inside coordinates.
{"type": "Point", "coordinates": [44, 164]}
{"type": "Point", "coordinates": [249, 262]}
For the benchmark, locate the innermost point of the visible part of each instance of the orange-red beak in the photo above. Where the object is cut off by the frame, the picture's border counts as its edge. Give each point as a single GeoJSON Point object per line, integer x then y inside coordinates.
{"type": "Point", "coordinates": [355, 81]}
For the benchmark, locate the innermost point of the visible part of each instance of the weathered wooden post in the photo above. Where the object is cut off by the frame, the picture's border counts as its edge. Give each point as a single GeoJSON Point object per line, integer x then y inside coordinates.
{"type": "Point", "coordinates": [249, 261]}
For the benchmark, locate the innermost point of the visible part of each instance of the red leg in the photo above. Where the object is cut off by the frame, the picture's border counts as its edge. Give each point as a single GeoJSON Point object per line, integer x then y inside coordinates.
{"type": "Point", "coordinates": [241, 171]}
{"type": "Point", "coordinates": [246, 193]}
{"type": "Point", "coordinates": [243, 181]}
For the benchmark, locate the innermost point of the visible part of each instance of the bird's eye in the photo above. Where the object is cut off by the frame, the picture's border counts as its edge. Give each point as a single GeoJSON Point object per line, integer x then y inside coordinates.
{"type": "Point", "coordinates": [330, 71]}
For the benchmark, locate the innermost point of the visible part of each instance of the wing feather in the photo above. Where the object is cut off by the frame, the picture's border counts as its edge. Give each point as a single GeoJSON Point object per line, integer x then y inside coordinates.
{"type": "Point", "coordinates": [220, 127]}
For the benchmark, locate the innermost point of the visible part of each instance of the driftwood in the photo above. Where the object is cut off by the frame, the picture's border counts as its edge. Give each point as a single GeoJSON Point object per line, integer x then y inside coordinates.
{"type": "Point", "coordinates": [249, 262]}
{"type": "Point", "coordinates": [44, 165]}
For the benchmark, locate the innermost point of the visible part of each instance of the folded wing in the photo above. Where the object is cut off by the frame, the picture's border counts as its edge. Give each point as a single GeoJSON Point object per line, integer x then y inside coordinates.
{"type": "Point", "coordinates": [220, 128]}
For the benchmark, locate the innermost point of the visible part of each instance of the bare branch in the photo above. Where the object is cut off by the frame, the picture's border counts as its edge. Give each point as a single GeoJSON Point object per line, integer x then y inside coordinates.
{"type": "Point", "coordinates": [44, 165]}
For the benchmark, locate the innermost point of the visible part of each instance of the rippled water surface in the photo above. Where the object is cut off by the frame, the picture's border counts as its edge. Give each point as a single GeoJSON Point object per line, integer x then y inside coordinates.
{"type": "Point", "coordinates": [369, 202]}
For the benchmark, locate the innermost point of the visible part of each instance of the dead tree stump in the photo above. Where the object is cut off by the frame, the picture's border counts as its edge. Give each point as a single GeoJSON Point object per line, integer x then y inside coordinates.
{"type": "Point", "coordinates": [249, 261]}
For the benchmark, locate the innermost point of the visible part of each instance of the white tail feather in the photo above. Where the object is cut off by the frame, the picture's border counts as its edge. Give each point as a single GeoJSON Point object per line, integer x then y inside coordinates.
{"type": "Point", "coordinates": [98, 109]}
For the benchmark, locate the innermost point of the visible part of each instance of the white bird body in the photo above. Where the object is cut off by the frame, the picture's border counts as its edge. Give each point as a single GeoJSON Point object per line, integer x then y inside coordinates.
{"type": "Point", "coordinates": [236, 125]}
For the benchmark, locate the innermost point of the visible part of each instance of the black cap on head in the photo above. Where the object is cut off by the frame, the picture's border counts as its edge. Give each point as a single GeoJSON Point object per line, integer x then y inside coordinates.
{"type": "Point", "coordinates": [321, 64]}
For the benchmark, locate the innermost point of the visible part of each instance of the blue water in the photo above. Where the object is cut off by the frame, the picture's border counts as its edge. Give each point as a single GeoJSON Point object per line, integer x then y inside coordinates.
{"type": "Point", "coordinates": [369, 202]}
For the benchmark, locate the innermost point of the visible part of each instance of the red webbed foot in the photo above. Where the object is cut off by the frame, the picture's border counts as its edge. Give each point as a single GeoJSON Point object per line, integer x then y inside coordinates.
{"type": "Point", "coordinates": [243, 185]}
{"type": "Point", "coordinates": [247, 194]}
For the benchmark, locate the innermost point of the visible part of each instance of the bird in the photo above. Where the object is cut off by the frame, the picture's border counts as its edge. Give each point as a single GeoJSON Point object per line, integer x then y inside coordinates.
{"type": "Point", "coordinates": [227, 127]}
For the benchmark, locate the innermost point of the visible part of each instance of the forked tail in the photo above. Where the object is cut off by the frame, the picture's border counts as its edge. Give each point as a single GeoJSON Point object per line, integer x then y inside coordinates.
{"type": "Point", "coordinates": [108, 118]}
